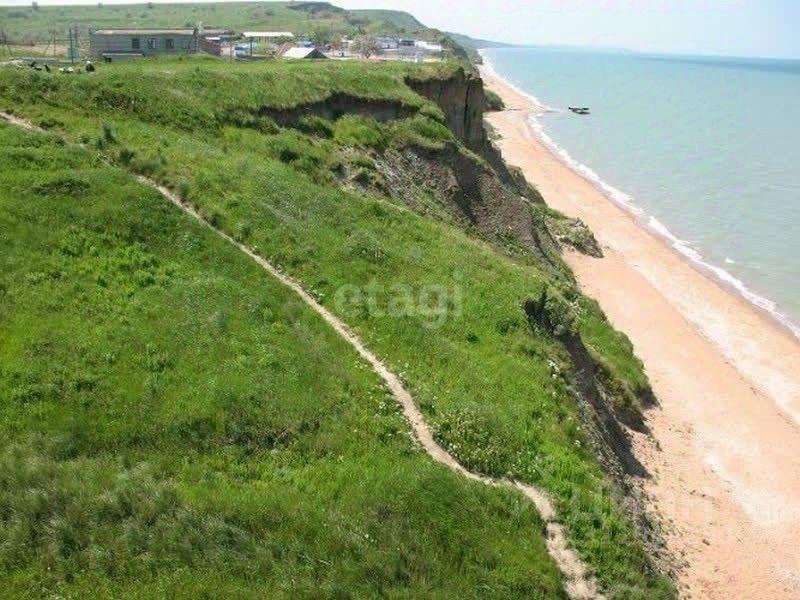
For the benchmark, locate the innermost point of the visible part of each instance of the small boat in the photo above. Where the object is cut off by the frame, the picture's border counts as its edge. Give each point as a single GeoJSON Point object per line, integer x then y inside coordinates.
{"type": "Point", "coordinates": [583, 110]}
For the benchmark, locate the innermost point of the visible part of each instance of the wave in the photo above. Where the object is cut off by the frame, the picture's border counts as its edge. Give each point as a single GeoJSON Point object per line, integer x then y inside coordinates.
{"type": "Point", "coordinates": [683, 247]}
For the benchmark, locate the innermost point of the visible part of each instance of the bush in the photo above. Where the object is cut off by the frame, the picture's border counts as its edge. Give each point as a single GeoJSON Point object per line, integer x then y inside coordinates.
{"type": "Point", "coordinates": [288, 155]}
{"type": "Point", "coordinates": [493, 101]}
{"type": "Point", "coordinates": [315, 125]}
{"type": "Point", "coordinates": [365, 246]}
{"type": "Point", "coordinates": [422, 131]}
{"type": "Point", "coordinates": [266, 125]}
{"type": "Point", "coordinates": [552, 313]}
{"type": "Point", "coordinates": [148, 167]}
{"type": "Point", "coordinates": [126, 155]}
{"type": "Point", "coordinates": [359, 131]}
{"type": "Point", "coordinates": [183, 189]}
{"type": "Point", "coordinates": [363, 161]}
{"type": "Point", "coordinates": [108, 134]}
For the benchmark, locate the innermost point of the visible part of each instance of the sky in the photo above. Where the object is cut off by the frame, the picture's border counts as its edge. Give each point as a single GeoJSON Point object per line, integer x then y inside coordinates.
{"type": "Point", "coordinates": [724, 27]}
{"type": "Point", "coordinates": [769, 28]}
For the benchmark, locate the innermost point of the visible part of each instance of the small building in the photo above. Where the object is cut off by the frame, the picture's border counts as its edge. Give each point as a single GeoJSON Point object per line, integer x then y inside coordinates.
{"type": "Point", "coordinates": [387, 43]}
{"type": "Point", "coordinates": [303, 53]}
{"type": "Point", "coordinates": [429, 47]}
{"type": "Point", "coordinates": [268, 37]}
{"type": "Point", "coordinates": [112, 44]}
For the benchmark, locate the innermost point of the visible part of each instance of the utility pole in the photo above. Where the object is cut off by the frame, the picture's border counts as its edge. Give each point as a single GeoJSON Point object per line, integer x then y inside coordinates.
{"type": "Point", "coordinates": [73, 45]}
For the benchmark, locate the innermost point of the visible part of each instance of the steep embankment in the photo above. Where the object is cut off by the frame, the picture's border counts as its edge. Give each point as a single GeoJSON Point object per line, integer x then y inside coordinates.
{"type": "Point", "coordinates": [482, 336]}
{"type": "Point", "coordinates": [175, 423]}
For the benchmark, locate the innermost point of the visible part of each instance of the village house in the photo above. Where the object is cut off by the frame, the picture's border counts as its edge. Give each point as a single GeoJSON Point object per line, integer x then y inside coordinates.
{"type": "Point", "coordinates": [387, 43]}
{"type": "Point", "coordinates": [115, 44]}
{"type": "Point", "coordinates": [302, 52]}
{"type": "Point", "coordinates": [428, 47]}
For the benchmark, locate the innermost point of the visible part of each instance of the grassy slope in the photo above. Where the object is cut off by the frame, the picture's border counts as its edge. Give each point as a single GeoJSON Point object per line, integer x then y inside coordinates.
{"type": "Point", "coordinates": [491, 385]}
{"type": "Point", "coordinates": [175, 423]}
{"type": "Point", "coordinates": [402, 21]}
{"type": "Point", "coordinates": [23, 22]}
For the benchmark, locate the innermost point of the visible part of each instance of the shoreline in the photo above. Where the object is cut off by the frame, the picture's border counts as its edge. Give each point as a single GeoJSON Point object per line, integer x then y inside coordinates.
{"type": "Point", "coordinates": [724, 454]}
{"type": "Point", "coordinates": [656, 228]}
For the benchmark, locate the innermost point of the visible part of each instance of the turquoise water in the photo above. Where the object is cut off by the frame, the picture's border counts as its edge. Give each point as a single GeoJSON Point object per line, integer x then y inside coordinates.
{"type": "Point", "coordinates": [706, 150]}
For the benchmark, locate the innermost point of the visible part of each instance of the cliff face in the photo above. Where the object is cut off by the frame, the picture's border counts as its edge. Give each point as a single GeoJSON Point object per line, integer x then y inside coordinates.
{"type": "Point", "coordinates": [337, 105]}
{"type": "Point", "coordinates": [468, 192]}
{"type": "Point", "coordinates": [482, 193]}
{"type": "Point", "coordinates": [462, 100]}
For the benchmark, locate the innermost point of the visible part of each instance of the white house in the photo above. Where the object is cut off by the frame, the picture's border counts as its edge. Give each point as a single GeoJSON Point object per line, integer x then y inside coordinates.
{"type": "Point", "coordinates": [428, 47]}
{"type": "Point", "coordinates": [300, 52]}
{"type": "Point", "coordinates": [387, 43]}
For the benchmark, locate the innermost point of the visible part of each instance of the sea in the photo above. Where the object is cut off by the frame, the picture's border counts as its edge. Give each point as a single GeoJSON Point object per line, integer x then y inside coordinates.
{"type": "Point", "coordinates": [704, 150]}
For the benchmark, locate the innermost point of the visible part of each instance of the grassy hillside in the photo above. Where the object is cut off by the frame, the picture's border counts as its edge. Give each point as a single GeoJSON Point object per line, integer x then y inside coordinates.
{"type": "Point", "coordinates": [403, 21]}
{"type": "Point", "coordinates": [442, 307]}
{"type": "Point", "coordinates": [472, 45]}
{"type": "Point", "coordinates": [23, 23]}
{"type": "Point", "coordinates": [175, 423]}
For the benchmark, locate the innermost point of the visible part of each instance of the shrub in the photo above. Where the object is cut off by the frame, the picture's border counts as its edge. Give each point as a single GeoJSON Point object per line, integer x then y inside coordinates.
{"type": "Point", "coordinates": [108, 134]}
{"type": "Point", "coordinates": [493, 101]}
{"type": "Point", "coordinates": [362, 176]}
{"type": "Point", "coordinates": [363, 161]}
{"type": "Point", "coordinates": [552, 313]}
{"type": "Point", "coordinates": [267, 126]}
{"type": "Point", "coordinates": [147, 166]}
{"type": "Point", "coordinates": [126, 155]}
{"type": "Point", "coordinates": [288, 155]}
{"type": "Point", "coordinates": [359, 131]}
{"type": "Point", "coordinates": [242, 231]}
{"type": "Point", "coordinates": [184, 189]}
{"type": "Point", "coordinates": [315, 125]}
{"type": "Point", "coordinates": [422, 131]}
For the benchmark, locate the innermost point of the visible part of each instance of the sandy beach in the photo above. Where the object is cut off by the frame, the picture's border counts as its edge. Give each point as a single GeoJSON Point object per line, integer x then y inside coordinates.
{"type": "Point", "coordinates": [724, 450]}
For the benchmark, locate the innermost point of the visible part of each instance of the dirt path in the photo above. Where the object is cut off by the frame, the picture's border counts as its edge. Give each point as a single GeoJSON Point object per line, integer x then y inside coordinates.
{"type": "Point", "coordinates": [725, 448]}
{"type": "Point", "coordinates": [579, 584]}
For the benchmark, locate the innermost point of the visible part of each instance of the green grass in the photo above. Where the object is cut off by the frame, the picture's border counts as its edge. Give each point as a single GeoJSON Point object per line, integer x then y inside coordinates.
{"type": "Point", "coordinates": [443, 309]}
{"type": "Point", "coordinates": [399, 20]}
{"type": "Point", "coordinates": [176, 423]}
{"type": "Point", "coordinates": [25, 24]}
{"type": "Point", "coordinates": [493, 101]}
{"type": "Point", "coordinates": [204, 93]}
{"type": "Point", "coordinates": [22, 22]}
